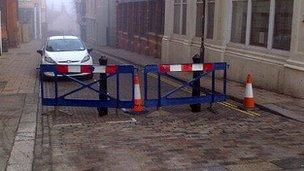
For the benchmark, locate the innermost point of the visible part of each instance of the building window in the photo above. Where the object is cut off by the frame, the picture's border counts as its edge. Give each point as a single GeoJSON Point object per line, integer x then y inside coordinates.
{"type": "Point", "coordinates": [263, 23]}
{"type": "Point", "coordinates": [143, 19]}
{"type": "Point", "coordinates": [176, 25]}
{"type": "Point", "coordinates": [152, 16]}
{"type": "Point", "coordinates": [199, 17]}
{"type": "Point", "coordinates": [180, 17]}
{"type": "Point", "coordinates": [124, 19]}
{"type": "Point", "coordinates": [239, 21]}
{"type": "Point", "coordinates": [282, 24]}
{"type": "Point", "coordinates": [260, 23]}
{"type": "Point", "coordinates": [210, 18]}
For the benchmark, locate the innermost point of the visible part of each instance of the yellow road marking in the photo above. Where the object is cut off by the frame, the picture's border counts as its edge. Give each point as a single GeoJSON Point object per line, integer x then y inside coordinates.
{"type": "Point", "coordinates": [237, 108]}
{"type": "Point", "coordinates": [226, 104]}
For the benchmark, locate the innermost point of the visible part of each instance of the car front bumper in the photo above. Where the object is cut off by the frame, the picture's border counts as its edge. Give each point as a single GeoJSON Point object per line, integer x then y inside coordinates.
{"type": "Point", "coordinates": [51, 74]}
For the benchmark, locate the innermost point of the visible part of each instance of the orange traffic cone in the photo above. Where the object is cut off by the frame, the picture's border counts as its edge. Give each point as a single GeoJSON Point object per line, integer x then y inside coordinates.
{"type": "Point", "coordinates": [138, 102]}
{"type": "Point", "coordinates": [249, 100]}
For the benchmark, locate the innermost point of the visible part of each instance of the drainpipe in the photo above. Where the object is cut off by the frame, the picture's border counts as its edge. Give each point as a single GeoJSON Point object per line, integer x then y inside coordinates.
{"type": "Point", "coordinates": [35, 21]}
{"type": "Point", "coordinates": [0, 34]}
{"type": "Point", "coordinates": [40, 22]}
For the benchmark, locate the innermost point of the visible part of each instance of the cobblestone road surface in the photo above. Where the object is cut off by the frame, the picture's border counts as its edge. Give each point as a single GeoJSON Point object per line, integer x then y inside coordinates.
{"type": "Point", "coordinates": [172, 138]}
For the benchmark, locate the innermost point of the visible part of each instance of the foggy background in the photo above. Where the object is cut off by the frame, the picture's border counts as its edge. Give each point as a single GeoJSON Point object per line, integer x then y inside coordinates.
{"type": "Point", "coordinates": [61, 18]}
{"type": "Point", "coordinates": [58, 3]}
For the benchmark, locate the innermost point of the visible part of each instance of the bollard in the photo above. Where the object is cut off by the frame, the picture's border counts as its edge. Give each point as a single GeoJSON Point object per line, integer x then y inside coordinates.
{"type": "Point", "coordinates": [196, 85]}
{"type": "Point", "coordinates": [103, 87]}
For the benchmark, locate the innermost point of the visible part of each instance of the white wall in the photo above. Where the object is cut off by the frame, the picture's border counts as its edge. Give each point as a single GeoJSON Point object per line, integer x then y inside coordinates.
{"type": "Point", "coordinates": [276, 70]}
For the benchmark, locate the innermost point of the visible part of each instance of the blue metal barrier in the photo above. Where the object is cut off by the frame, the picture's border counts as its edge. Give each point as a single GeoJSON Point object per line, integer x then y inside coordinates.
{"type": "Point", "coordinates": [204, 69]}
{"type": "Point", "coordinates": [62, 100]}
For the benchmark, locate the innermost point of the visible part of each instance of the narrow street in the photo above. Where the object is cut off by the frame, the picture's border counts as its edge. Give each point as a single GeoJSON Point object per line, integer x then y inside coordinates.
{"type": "Point", "coordinates": [170, 138]}
{"type": "Point", "coordinates": [151, 85]}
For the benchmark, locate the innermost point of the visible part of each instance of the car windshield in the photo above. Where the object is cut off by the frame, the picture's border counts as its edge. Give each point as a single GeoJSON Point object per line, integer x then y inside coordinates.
{"type": "Point", "coordinates": [59, 45]}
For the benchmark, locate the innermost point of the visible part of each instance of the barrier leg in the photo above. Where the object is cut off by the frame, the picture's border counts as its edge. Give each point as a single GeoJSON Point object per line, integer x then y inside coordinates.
{"type": "Point", "coordinates": [56, 110]}
{"type": "Point", "coordinates": [211, 107]}
{"type": "Point", "coordinates": [196, 85]}
{"type": "Point", "coordinates": [103, 87]}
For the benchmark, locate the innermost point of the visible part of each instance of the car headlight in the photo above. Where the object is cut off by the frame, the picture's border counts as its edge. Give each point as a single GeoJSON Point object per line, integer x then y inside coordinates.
{"type": "Point", "coordinates": [85, 59]}
{"type": "Point", "coordinates": [49, 60]}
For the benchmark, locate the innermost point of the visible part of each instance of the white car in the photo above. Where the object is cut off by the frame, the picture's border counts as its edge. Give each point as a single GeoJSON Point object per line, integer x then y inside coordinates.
{"type": "Point", "coordinates": [65, 50]}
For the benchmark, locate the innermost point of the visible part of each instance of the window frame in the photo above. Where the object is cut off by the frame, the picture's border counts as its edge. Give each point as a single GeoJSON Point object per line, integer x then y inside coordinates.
{"type": "Point", "coordinates": [196, 24]}
{"type": "Point", "coordinates": [180, 27]}
{"type": "Point", "coordinates": [271, 24]}
{"type": "Point", "coordinates": [207, 17]}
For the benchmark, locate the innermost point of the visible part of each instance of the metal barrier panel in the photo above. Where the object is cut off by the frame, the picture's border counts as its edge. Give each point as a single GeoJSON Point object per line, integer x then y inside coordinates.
{"type": "Point", "coordinates": [64, 70]}
{"type": "Point", "coordinates": [204, 69]}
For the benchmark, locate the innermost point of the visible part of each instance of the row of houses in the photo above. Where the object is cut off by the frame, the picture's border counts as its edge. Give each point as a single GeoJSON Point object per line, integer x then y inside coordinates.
{"type": "Point", "coordinates": [262, 37]}
{"type": "Point", "coordinates": [21, 21]}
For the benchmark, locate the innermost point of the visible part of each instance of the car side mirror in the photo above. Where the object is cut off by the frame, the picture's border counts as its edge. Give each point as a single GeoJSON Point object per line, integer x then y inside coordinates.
{"type": "Point", "coordinates": [40, 52]}
{"type": "Point", "coordinates": [90, 50]}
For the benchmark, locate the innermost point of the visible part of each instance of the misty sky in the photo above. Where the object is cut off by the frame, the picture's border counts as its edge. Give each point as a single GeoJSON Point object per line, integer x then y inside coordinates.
{"type": "Point", "coordinates": [57, 4]}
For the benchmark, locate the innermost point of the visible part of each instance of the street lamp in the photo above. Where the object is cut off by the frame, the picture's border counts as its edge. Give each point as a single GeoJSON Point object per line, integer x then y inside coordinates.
{"type": "Point", "coordinates": [196, 85]}
{"type": "Point", "coordinates": [202, 50]}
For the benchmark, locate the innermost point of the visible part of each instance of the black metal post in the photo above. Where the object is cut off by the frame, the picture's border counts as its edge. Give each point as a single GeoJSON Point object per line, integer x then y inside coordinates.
{"type": "Point", "coordinates": [103, 86]}
{"type": "Point", "coordinates": [202, 52]}
{"type": "Point", "coordinates": [196, 85]}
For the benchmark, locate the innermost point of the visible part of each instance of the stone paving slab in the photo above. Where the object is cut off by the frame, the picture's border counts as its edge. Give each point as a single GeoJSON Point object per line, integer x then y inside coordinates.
{"type": "Point", "coordinates": [22, 155]}
{"type": "Point", "coordinates": [11, 107]}
{"type": "Point", "coordinates": [18, 69]}
{"type": "Point", "coordinates": [291, 113]}
{"type": "Point", "coordinates": [18, 106]}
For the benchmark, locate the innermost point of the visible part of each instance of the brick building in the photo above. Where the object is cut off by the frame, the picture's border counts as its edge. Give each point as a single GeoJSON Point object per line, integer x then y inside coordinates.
{"type": "Point", "coordinates": [135, 25]}
{"type": "Point", "coordinates": [140, 26]}
{"type": "Point", "coordinates": [9, 23]}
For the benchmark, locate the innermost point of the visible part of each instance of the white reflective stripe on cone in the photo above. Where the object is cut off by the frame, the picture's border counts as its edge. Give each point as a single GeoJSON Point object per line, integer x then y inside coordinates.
{"type": "Point", "coordinates": [99, 69]}
{"type": "Point", "coordinates": [176, 68]}
{"type": "Point", "coordinates": [74, 69]}
{"type": "Point", "coordinates": [249, 91]}
{"type": "Point", "coordinates": [197, 67]}
{"type": "Point", "coordinates": [137, 94]}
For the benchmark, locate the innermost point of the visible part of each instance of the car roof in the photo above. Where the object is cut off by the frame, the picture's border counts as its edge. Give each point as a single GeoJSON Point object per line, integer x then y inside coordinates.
{"type": "Point", "coordinates": [62, 37]}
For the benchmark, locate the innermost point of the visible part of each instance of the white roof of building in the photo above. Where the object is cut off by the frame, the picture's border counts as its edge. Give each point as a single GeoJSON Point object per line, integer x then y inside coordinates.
{"type": "Point", "coordinates": [62, 37]}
